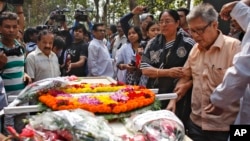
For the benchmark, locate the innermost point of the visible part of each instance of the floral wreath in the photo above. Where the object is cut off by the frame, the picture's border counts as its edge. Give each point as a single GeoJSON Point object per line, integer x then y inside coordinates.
{"type": "Point", "coordinates": [98, 98]}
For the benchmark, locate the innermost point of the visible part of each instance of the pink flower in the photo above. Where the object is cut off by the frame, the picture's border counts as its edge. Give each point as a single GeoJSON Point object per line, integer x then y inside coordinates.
{"type": "Point", "coordinates": [168, 127]}
{"type": "Point", "coordinates": [119, 96]}
{"type": "Point", "coordinates": [27, 132]}
{"type": "Point", "coordinates": [89, 100]}
{"type": "Point", "coordinates": [72, 78]}
{"type": "Point", "coordinates": [65, 95]}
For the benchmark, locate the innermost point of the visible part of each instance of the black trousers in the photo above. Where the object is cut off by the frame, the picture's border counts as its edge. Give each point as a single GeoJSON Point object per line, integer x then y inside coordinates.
{"type": "Point", "coordinates": [197, 134]}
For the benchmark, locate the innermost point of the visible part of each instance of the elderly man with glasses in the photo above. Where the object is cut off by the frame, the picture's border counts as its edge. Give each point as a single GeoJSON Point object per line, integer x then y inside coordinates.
{"type": "Point", "coordinates": [206, 65]}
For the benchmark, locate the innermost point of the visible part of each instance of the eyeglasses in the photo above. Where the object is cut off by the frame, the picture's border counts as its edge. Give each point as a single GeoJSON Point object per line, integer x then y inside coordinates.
{"type": "Point", "coordinates": [166, 22]}
{"type": "Point", "coordinates": [200, 30]}
{"type": "Point", "coordinates": [101, 30]}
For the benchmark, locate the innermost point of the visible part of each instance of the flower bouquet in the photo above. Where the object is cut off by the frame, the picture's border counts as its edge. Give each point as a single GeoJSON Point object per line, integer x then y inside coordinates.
{"type": "Point", "coordinates": [67, 125]}
{"type": "Point", "coordinates": [162, 125]}
{"type": "Point", "coordinates": [113, 100]}
{"type": "Point", "coordinates": [31, 90]}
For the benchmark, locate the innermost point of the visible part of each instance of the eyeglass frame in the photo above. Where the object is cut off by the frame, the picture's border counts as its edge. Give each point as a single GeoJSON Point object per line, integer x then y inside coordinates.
{"type": "Point", "coordinates": [200, 31]}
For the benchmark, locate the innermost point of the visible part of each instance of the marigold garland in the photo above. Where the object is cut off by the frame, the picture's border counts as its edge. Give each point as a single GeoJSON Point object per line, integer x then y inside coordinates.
{"type": "Point", "coordinates": [123, 99]}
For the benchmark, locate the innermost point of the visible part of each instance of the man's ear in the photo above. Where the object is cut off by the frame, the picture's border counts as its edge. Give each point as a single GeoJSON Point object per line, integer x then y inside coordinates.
{"type": "Point", "coordinates": [178, 22]}
{"type": "Point", "coordinates": [215, 24]}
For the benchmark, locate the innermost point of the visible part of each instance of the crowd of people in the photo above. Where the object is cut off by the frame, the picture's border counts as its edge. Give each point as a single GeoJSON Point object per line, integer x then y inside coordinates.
{"type": "Point", "coordinates": [183, 51]}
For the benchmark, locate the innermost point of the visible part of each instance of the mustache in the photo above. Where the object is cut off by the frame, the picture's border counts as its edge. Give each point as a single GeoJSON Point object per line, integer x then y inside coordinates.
{"type": "Point", "coordinates": [48, 48]}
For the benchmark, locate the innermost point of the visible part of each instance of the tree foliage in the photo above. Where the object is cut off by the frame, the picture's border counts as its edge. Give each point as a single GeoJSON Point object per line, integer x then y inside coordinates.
{"type": "Point", "coordinates": [107, 11]}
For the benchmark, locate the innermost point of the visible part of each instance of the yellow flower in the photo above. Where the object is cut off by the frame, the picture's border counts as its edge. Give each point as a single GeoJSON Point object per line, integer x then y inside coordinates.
{"type": "Point", "coordinates": [105, 99]}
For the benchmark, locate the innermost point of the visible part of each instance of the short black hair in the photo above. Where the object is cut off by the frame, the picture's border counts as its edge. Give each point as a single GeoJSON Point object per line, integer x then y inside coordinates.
{"type": "Point", "coordinates": [29, 32]}
{"type": "Point", "coordinates": [96, 25]}
{"type": "Point", "coordinates": [151, 23]}
{"type": "Point", "coordinates": [137, 29]}
{"type": "Point", "coordinates": [112, 27]}
{"type": "Point", "coordinates": [59, 42]}
{"type": "Point", "coordinates": [81, 26]}
{"type": "Point", "coordinates": [8, 16]}
{"type": "Point", "coordinates": [185, 10]}
{"type": "Point", "coordinates": [172, 13]}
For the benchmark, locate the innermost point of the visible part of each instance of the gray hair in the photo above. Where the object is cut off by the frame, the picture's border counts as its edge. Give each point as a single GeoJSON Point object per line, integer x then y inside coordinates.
{"type": "Point", "coordinates": [205, 11]}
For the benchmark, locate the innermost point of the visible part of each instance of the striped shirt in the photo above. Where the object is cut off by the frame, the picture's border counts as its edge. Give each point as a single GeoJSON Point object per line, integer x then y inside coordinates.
{"type": "Point", "coordinates": [13, 71]}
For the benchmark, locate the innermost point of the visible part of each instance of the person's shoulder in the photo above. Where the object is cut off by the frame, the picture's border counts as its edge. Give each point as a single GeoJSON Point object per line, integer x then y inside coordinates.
{"type": "Point", "coordinates": [17, 43]}
{"type": "Point", "coordinates": [53, 54]}
{"type": "Point", "coordinates": [84, 44]}
{"type": "Point", "coordinates": [93, 41]}
{"type": "Point", "coordinates": [186, 37]}
{"type": "Point", "coordinates": [125, 46]}
{"type": "Point", "coordinates": [188, 40]}
{"type": "Point", "coordinates": [31, 55]}
{"type": "Point", "coordinates": [231, 39]}
{"type": "Point", "coordinates": [230, 42]}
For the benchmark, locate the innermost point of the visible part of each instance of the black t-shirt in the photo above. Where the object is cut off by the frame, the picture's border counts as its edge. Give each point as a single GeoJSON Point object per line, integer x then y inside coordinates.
{"type": "Point", "coordinates": [76, 50]}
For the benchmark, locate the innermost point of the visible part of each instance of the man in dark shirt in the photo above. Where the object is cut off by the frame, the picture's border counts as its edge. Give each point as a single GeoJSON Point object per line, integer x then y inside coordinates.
{"type": "Point", "coordinates": [77, 53]}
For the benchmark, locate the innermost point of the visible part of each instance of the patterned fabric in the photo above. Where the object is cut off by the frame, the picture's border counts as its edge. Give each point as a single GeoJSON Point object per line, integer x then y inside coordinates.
{"type": "Point", "coordinates": [13, 71]}
{"type": "Point", "coordinates": [162, 54]}
{"type": "Point", "coordinates": [133, 78]}
{"type": "Point", "coordinates": [126, 55]}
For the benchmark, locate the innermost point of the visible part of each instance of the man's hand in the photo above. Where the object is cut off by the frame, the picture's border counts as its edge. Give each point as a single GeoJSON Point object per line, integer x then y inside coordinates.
{"type": "Point", "coordinates": [211, 109]}
{"type": "Point", "coordinates": [181, 89]}
{"type": "Point", "coordinates": [3, 59]}
{"type": "Point", "coordinates": [172, 105]}
{"type": "Point", "coordinates": [226, 9]}
{"type": "Point", "coordinates": [130, 67]}
{"type": "Point", "coordinates": [27, 78]}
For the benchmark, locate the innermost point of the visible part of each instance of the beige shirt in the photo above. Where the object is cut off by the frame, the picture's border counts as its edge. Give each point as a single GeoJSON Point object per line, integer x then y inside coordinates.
{"type": "Point", "coordinates": [39, 66]}
{"type": "Point", "coordinates": [207, 69]}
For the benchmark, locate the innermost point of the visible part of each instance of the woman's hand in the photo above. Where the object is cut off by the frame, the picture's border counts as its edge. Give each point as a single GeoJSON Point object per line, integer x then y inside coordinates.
{"type": "Point", "coordinates": [175, 72]}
